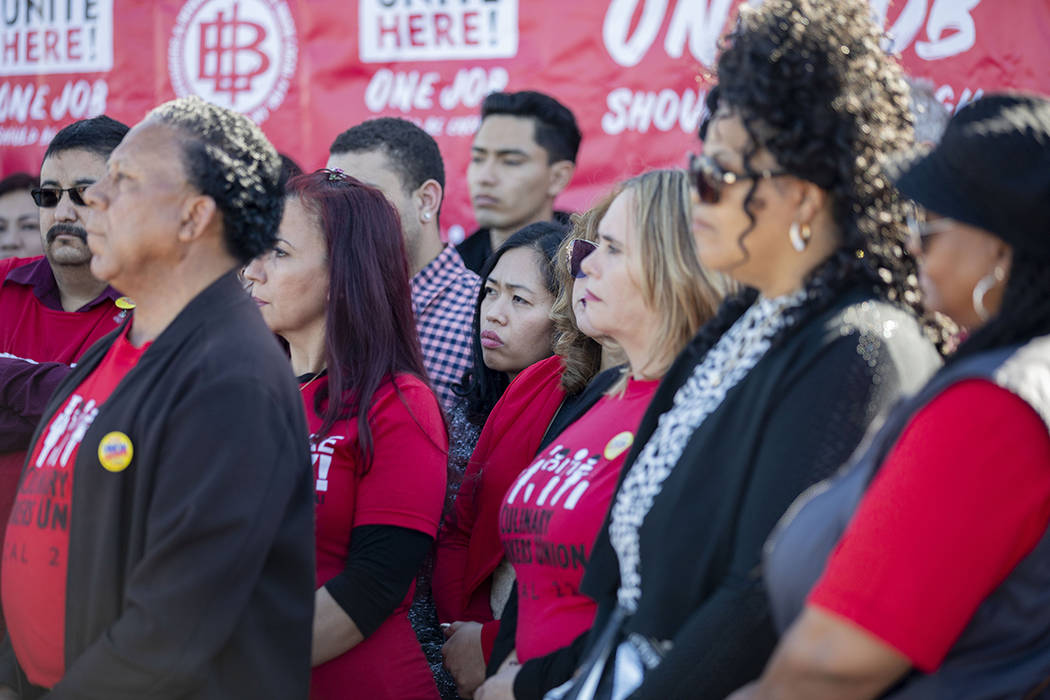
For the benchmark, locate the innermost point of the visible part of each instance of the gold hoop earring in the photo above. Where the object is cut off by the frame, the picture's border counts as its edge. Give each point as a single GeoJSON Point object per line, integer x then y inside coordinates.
{"type": "Point", "coordinates": [799, 236]}
{"type": "Point", "coordinates": [983, 286]}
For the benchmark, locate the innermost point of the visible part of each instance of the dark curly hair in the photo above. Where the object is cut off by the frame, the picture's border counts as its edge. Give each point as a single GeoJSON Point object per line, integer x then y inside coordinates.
{"type": "Point", "coordinates": [812, 85]}
{"type": "Point", "coordinates": [227, 157]}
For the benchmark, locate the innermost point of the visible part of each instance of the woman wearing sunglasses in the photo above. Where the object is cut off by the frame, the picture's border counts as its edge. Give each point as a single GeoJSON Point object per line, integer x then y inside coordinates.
{"type": "Point", "coordinates": [773, 394]}
{"type": "Point", "coordinates": [645, 290]}
{"type": "Point", "coordinates": [951, 500]}
{"type": "Point", "coordinates": [472, 581]}
{"type": "Point", "coordinates": [377, 432]}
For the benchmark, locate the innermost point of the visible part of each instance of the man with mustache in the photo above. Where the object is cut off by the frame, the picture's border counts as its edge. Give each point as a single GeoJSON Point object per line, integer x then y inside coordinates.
{"type": "Point", "coordinates": [52, 308]}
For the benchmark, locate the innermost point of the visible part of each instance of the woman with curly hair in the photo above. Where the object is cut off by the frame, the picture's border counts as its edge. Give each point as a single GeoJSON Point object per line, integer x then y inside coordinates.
{"type": "Point", "coordinates": [930, 551]}
{"type": "Point", "coordinates": [791, 200]}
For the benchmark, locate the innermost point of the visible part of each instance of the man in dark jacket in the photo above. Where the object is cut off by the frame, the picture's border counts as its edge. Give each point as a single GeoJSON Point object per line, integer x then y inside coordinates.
{"type": "Point", "coordinates": [161, 545]}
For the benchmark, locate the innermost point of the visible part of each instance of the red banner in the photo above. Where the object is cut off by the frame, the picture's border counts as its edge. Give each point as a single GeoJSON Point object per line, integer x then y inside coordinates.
{"type": "Point", "coordinates": [634, 71]}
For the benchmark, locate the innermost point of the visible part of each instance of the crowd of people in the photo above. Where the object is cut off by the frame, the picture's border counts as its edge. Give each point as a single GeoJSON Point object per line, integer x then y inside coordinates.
{"type": "Point", "coordinates": [775, 425]}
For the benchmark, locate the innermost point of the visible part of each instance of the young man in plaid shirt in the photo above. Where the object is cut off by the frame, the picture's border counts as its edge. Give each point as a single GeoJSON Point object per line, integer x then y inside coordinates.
{"type": "Point", "coordinates": [404, 162]}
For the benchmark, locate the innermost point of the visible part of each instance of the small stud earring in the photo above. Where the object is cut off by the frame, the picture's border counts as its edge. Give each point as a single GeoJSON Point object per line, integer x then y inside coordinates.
{"type": "Point", "coordinates": [426, 216]}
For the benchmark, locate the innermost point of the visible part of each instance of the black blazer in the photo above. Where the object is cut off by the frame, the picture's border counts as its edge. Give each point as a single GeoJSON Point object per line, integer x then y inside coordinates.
{"type": "Point", "coordinates": [793, 420]}
{"type": "Point", "coordinates": [191, 572]}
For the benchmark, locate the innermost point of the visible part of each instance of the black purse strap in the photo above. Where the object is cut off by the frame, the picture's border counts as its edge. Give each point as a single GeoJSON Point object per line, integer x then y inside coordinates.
{"type": "Point", "coordinates": [592, 678]}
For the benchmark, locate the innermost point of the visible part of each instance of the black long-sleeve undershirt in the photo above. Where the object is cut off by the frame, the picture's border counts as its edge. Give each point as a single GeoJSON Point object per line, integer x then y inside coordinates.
{"type": "Point", "coordinates": [382, 563]}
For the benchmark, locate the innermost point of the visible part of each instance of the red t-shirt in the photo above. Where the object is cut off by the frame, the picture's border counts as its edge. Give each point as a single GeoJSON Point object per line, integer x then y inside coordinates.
{"type": "Point", "coordinates": [37, 540]}
{"type": "Point", "coordinates": [961, 499]}
{"type": "Point", "coordinates": [405, 486]}
{"type": "Point", "coordinates": [31, 330]}
{"type": "Point", "coordinates": [551, 516]}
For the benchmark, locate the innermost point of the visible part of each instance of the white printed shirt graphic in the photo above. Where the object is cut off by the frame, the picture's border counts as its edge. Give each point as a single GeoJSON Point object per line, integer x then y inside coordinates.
{"type": "Point", "coordinates": [571, 473]}
{"type": "Point", "coordinates": [321, 454]}
{"type": "Point", "coordinates": [66, 432]}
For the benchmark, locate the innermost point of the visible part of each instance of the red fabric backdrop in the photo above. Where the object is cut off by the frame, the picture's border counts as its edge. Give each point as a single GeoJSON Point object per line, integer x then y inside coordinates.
{"type": "Point", "coordinates": [633, 71]}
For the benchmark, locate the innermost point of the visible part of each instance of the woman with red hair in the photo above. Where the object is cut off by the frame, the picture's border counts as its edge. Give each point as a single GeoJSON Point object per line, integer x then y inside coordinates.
{"type": "Point", "coordinates": [336, 289]}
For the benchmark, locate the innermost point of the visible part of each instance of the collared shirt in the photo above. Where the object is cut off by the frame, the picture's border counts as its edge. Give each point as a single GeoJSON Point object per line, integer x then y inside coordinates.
{"type": "Point", "coordinates": [443, 297]}
{"type": "Point", "coordinates": [39, 276]}
{"type": "Point", "coordinates": [35, 332]}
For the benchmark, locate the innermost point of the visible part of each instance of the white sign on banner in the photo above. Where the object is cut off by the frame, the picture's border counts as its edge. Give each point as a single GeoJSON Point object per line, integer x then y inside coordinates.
{"type": "Point", "coordinates": [240, 54]}
{"type": "Point", "coordinates": [408, 30]}
{"type": "Point", "coordinates": [47, 38]}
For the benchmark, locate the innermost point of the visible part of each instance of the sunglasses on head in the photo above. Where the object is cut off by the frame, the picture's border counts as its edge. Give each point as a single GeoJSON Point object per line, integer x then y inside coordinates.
{"type": "Point", "coordinates": [48, 197]}
{"type": "Point", "coordinates": [579, 249]}
{"type": "Point", "coordinates": [709, 178]}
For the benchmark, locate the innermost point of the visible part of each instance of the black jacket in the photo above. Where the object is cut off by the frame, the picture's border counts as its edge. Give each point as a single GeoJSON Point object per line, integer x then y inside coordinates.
{"type": "Point", "coordinates": [794, 419]}
{"type": "Point", "coordinates": [477, 247]}
{"type": "Point", "coordinates": [191, 572]}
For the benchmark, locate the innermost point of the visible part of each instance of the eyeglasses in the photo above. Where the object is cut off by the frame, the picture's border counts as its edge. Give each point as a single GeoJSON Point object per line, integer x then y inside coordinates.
{"type": "Point", "coordinates": [48, 197]}
{"type": "Point", "coordinates": [579, 249]}
{"type": "Point", "coordinates": [922, 230]}
{"type": "Point", "coordinates": [709, 178]}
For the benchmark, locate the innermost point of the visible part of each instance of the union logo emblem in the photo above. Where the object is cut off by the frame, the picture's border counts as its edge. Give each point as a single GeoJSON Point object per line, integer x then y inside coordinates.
{"type": "Point", "coordinates": [239, 54]}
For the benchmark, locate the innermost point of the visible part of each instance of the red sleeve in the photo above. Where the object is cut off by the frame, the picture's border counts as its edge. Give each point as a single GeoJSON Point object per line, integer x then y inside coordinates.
{"type": "Point", "coordinates": [405, 485]}
{"type": "Point", "coordinates": [508, 429]}
{"type": "Point", "coordinates": [960, 500]}
{"type": "Point", "coordinates": [489, 632]}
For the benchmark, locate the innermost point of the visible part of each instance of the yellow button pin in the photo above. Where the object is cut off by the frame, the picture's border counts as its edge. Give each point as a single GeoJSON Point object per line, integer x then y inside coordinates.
{"type": "Point", "coordinates": [115, 451]}
{"type": "Point", "coordinates": [124, 303]}
{"type": "Point", "coordinates": [618, 445]}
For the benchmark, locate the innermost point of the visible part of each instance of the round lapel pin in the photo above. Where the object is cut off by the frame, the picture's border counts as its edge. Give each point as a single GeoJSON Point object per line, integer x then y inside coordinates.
{"type": "Point", "coordinates": [115, 451]}
{"type": "Point", "coordinates": [618, 445]}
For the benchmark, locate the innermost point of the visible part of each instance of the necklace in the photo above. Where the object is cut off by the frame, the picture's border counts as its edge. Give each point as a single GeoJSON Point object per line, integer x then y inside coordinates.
{"type": "Point", "coordinates": [314, 378]}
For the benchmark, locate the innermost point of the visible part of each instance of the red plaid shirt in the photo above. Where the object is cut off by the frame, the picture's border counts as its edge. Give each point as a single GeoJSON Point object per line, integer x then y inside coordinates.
{"type": "Point", "coordinates": [443, 297]}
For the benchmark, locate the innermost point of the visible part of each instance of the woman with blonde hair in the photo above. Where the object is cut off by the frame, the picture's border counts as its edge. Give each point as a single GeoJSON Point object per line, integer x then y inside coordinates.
{"type": "Point", "coordinates": [472, 581]}
{"type": "Point", "coordinates": [646, 291]}
{"type": "Point", "coordinates": [472, 572]}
